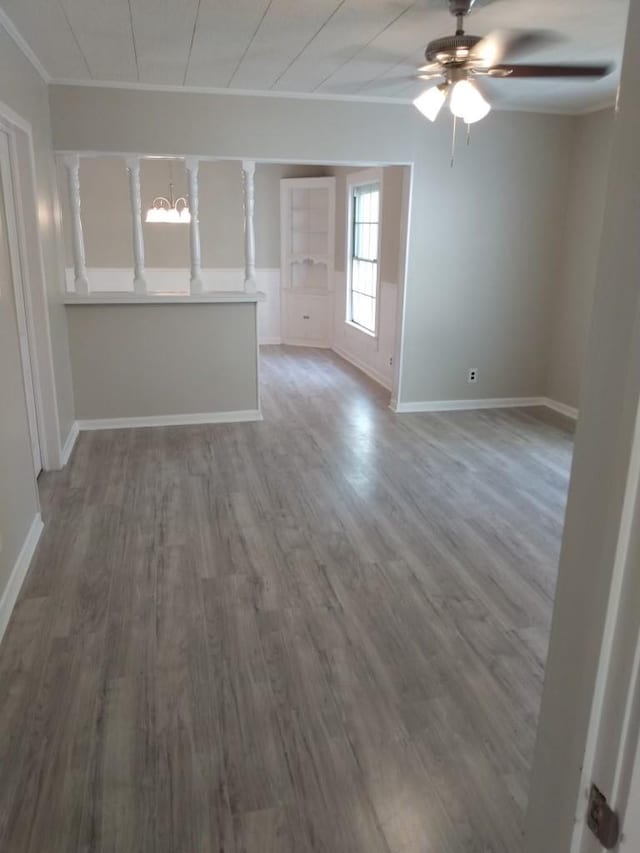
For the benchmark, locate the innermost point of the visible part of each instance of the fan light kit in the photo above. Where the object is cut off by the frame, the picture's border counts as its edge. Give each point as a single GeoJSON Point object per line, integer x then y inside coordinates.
{"type": "Point", "coordinates": [458, 61]}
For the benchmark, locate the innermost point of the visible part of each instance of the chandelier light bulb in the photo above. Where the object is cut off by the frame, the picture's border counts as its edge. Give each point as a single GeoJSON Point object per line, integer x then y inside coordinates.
{"type": "Point", "coordinates": [169, 210]}
{"type": "Point", "coordinates": [431, 101]}
{"type": "Point", "coordinates": [467, 103]}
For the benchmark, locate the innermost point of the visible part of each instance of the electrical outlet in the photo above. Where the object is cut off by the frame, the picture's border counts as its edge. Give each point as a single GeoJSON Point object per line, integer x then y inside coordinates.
{"type": "Point", "coordinates": [391, 362]}
{"type": "Point", "coordinates": [472, 376]}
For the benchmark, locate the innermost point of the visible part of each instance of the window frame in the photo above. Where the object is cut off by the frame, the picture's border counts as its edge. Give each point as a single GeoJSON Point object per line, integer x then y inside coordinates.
{"type": "Point", "coordinates": [366, 177]}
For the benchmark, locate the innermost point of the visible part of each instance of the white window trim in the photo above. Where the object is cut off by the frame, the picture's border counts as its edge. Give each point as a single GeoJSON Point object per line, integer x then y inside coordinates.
{"type": "Point", "coordinates": [359, 179]}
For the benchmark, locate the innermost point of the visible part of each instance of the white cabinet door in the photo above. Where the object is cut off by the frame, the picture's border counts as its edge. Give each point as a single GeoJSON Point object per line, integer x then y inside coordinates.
{"type": "Point", "coordinates": [306, 319]}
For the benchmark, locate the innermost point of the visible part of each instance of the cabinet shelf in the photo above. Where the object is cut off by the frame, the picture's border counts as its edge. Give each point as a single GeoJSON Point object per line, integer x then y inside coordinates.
{"type": "Point", "coordinates": [307, 234]}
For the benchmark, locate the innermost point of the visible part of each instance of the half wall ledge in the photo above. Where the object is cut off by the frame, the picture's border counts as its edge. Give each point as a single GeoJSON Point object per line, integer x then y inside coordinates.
{"type": "Point", "coordinates": [162, 298]}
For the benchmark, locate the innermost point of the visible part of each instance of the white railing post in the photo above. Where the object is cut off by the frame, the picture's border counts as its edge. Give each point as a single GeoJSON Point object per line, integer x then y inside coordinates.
{"type": "Point", "coordinates": [72, 168]}
{"type": "Point", "coordinates": [135, 196]}
{"type": "Point", "coordinates": [248, 172]}
{"type": "Point", "coordinates": [192, 165]}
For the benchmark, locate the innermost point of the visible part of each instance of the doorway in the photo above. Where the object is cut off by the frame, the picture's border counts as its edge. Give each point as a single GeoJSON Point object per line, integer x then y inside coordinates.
{"type": "Point", "coordinates": [12, 273]}
{"type": "Point", "coordinates": [342, 264]}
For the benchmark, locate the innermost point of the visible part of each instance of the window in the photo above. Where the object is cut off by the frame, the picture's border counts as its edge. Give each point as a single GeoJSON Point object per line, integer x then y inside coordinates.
{"type": "Point", "coordinates": [362, 286]}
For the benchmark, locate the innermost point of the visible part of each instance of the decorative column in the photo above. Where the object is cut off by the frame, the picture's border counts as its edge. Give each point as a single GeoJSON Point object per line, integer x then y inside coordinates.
{"type": "Point", "coordinates": [133, 168]}
{"type": "Point", "coordinates": [248, 172]}
{"type": "Point", "coordinates": [72, 167]}
{"type": "Point", "coordinates": [192, 165]}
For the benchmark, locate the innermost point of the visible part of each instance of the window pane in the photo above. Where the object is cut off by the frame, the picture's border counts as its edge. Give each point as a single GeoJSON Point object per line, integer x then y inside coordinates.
{"type": "Point", "coordinates": [372, 253]}
{"type": "Point", "coordinates": [358, 301]}
{"type": "Point", "coordinates": [364, 256]}
{"type": "Point", "coordinates": [366, 242]}
{"type": "Point", "coordinates": [363, 311]}
{"type": "Point", "coordinates": [358, 239]}
{"type": "Point", "coordinates": [366, 207]}
{"type": "Point", "coordinates": [375, 206]}
{"type": "Point", "coordinates": [367, 246]}
{"type": "Point", "coordinates": [364, 277]}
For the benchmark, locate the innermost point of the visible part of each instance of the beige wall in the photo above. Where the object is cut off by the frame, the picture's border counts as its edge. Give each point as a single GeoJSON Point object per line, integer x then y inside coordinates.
{"type": "Point", "coordinates": [148, 360]}
{"type": "Point", "coordinates": [588, 170]}
{"type": "Point", "coordinates": [106, 213]}
{"type": "Point", "coordinates": [484, 236]}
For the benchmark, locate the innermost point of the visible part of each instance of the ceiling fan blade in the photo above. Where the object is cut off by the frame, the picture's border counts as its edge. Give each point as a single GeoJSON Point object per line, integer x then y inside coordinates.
{"type": "Point", "coordinates": [593, 71]}
{"type": "Point", "coordinates": [501, 45]}
{"type": "Point", "coordinates": [430, 68]}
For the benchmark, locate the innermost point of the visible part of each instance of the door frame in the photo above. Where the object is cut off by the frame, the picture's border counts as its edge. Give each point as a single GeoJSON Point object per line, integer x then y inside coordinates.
{"type": "Point", "coordinates": [613, 739]}
{"type": "Point", "coordinates": [587, 731]}
{"type": "Point", "coordinates": [29, 216]}
{"type": "Point", "coordinates": [17, 276]}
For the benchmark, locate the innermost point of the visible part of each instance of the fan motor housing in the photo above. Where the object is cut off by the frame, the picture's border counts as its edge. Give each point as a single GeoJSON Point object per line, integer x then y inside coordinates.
{"type": "Point", "coordinates": [450, 50]}
{"type": "Point", "coordinates": [460, 7]}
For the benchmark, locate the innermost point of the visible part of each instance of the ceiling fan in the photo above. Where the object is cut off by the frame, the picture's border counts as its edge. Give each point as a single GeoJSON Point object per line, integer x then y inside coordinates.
{"type": "Point", "coordinates": [460, 59]}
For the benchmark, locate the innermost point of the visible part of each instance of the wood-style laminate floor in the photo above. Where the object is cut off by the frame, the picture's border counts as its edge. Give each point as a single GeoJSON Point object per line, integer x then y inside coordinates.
{"type": "Point", "coordinates": [323, 632]}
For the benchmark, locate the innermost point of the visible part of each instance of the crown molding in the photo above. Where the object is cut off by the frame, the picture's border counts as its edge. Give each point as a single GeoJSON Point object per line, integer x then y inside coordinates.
{"type": "Point", "coordinates": [241, 93]}
{"type": "Point", "coordinates": [7, 24]}
{"type": "Point", "coordinates": [315, 96]}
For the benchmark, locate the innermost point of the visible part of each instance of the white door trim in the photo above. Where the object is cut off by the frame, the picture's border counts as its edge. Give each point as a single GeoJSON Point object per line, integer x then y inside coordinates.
{"type": "Point", "coordinates": [588, 711]}
{"type": "Point", "coordinates": [618, 679]}
{"type": "Point", "coordinates": [22, 156]}
{"type": "Point", "coordinates": [17, 276]}
{"type": "Point", "coordinates": [631, 823]}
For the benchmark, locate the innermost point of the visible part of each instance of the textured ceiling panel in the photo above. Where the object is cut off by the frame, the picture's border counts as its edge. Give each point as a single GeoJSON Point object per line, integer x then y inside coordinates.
{"type": "Point", "coordinates": [355, 23]}
{"type": "Point", "coordinates": [44, 27]}
{"type": "Point", "coordinates": [398, 50]}
{"type": "Point", "coordinates": [105, 35]}
{"type": "Point", "coordinates": [225, 29]}
{"type": "Point", "coordinates": [163, 31]}
{"type": "Point", "coordinates": [287, 29]}
{"type": "Point", "coordinates": [367, 48]}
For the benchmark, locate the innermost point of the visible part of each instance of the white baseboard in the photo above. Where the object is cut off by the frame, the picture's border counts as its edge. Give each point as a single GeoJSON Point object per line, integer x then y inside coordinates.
{"type": "Point", "coordinates": [371, 372]}
{"type": "Point", "coordinates": [264, 342]}
{"type": "Point", "coordinates": [303, 342]}
{"type": "Point", "coordinates": [242, 416]}
{"type": "Point", "coordinates": [19, 572]}
{"type": "Point", "coordinates": [489, 403]}
{"type": "Point", "coordinates": [463, 405]}
{"type": "Point", "coordinates": [67, 448]}
{"type": "Point", "coordinates": [563, 408]}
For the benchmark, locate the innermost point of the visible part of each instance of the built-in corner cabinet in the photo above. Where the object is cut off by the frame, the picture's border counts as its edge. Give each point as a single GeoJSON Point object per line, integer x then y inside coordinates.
{"type": "Point", "coordinates": [307, 235]}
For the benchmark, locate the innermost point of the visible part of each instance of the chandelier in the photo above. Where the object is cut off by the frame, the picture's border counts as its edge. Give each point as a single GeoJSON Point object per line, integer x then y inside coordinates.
{"type": "Point", "coordinates": [169, 210]}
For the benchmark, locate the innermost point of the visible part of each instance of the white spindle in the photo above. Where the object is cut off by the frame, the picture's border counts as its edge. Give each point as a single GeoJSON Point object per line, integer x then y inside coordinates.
{"type": "Point", "coordinates": [133, 168]}
{"type": "Point", "coordinates": [192, 165]}
{"type": "Point", "coordinates": [248, 171]}
{"type": "Point", "coordinates": [72, 167]}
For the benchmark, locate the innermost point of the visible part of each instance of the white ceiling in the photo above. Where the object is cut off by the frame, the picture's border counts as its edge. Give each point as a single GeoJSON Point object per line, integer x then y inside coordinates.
{"type": "Point", "coordinates": [339, 47]}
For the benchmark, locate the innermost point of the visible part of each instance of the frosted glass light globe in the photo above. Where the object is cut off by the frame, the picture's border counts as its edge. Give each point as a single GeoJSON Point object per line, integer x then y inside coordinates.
{"type": "Point", "coordinates": [430, 102]}
{"type": "Point", "coordinates": [467, 103]}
